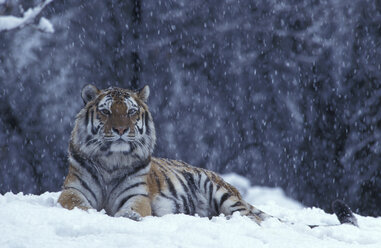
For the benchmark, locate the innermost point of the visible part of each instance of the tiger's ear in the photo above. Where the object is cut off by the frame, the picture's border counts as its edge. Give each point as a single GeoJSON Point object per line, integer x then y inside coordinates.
{"type": "Point", "coordinates": [89, 92]}
{"type": "Point", "coordinates": [144, 93]}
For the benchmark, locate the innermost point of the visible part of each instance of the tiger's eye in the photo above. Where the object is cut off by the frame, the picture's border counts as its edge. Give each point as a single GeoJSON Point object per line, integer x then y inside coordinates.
{"type": "Point", "coordinates": [105, 112]}
{"type": "Point", "coordinates": [132, 112]}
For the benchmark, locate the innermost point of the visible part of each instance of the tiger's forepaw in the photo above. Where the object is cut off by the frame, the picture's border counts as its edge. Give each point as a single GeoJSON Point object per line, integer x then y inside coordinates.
{"type": "Point", "coordinates": [131, 214]}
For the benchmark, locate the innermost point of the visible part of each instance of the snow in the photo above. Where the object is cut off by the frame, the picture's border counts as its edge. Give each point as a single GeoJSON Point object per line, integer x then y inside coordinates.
{"type": "Point", "coordinates": [37, 221]}
{"type": "Point", "coordinates": [12, 22]}
{"type": "Point", "coordinates": [45, 25]}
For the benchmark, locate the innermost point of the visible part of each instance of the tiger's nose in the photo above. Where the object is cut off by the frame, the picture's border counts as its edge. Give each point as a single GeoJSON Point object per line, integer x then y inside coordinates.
{"type": "Point", "coordinates": [120, 130]}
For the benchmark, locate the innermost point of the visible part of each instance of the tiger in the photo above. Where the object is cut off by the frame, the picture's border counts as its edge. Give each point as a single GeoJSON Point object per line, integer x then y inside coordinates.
{"type": "Point", "coordinates": [111, 166]}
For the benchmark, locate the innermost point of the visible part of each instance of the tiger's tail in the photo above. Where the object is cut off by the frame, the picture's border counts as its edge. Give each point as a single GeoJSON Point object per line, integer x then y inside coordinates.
{"type": "Point", "coordinates": [343, 213]}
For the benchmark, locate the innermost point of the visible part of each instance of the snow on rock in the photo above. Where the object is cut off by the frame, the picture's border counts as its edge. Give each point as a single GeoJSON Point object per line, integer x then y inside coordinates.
{"type": "Point", "coordinates": [12, 22]}
{"type": "Point", "coordinates": [45, 25]}
{"type": "Point", "coordinates": [38, 221]}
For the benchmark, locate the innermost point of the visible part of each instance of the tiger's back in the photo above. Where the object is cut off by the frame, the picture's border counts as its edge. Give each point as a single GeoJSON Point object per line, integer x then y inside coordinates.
{"type": "Point", "coordinates": [176, 187]}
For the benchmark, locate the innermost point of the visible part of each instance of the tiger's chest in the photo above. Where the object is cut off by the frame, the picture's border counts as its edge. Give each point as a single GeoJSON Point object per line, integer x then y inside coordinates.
{"type": "Point", "coordinates": [115, 188]}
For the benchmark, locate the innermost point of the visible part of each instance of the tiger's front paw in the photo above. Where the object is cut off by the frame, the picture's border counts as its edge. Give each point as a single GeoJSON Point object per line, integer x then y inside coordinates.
{"type": "Point", "coordinates": [131, 214]}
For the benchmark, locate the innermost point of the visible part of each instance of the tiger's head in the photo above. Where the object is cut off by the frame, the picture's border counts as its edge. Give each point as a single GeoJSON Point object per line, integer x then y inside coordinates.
{"type": "Point", "coordinates": [114, 122]}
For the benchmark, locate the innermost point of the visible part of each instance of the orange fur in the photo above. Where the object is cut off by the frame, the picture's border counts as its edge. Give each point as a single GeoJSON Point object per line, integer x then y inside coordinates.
{"type": "Point", "coordinates": [142, 206]}
{"type": "Point", "coordinates": [69, 198]}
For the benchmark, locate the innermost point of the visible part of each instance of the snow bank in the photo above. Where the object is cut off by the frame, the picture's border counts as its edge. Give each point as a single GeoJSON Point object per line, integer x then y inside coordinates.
{"type": "Point", "coordinates": [37, 221]}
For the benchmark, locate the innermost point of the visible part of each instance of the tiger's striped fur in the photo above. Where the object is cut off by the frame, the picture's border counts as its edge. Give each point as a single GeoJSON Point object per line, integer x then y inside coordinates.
{"type": "Point", "coordinates": [111, 168]}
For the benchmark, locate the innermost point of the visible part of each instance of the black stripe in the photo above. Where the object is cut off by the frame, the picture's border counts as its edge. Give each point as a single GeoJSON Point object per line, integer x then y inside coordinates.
{"type": "Point", "coordinates": [192, 185]}
{"type": "Point", "coordinates": [185, 204]}
{"type": "Point", "coordinates": [210, 194]}
{"type": "Point", "coordinates": [148, 130]}
{"type": "Point", "coordinates": [87, 118]}
{"type": "Point", "coordinates": [172, 163]}
{"type": "Point", "coordinates": [216, 206]}
{"type": "Point", "coordinates": [172, 170]}
{"type": "Point", "coordinates": [117, 182]}
{"type": "Point", "coordinates": [153, 212]}
{"type": "Point", "coordinates": [237, 204]}
{"type": "Point", "coordinates": [86, 186]}
{"type": "Point", "coordinates": [238, 209]}
{"type": "Point", "coordinates": [122, 179]}
{"type": "Point", "coordinates": [122, 202]}
{"type": "Point", "coordinates": [165, 196]}
{"type": "Point", "coordinates": [130, 187]}
{"type": "Point", "coordinates": [199, 179]}
{"type": "Point", "coordinates": [162, 167]}
{"type": "Point", "coordinates": [90, 140]}
{"type": "Point", "coordinates": [171, 187]}
{"type": "Point", "coordinates": [93, 130]}
{"type": "Point", "coordinates": [224, 198]}
{"type": "Point", "coordinates": [218, 187]}
{"type": "Point", "coordinates": [205, 183]}
{"type": "Point", "coordinates": [133, 147]}
{"type": "Point", "coordinates": [106, 146]}
{"type": "Point", "coordinates": [138, 168]}
{"type": "Point", "coordinates": [177, 206]}
{"type": "Point", "coordinates": [191, 208]}
{"type": "Point", "coordinates": [182, 183]}
{"type": "Point", "coordinates": [139, 129]}
{"type": "Point", "coordinates": [84, 163]}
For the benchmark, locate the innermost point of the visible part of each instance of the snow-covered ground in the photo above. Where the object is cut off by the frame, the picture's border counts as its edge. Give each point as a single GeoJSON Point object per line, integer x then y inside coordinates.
{"type": "Point", "coordinates": [37, 221]}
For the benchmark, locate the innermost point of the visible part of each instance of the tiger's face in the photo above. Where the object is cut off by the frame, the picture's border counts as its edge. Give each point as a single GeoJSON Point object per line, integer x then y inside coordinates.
{"type": "Point", "coordinates": [114, 121]}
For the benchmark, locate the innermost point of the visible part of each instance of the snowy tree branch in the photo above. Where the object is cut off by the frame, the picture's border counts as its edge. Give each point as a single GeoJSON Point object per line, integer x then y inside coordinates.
{"type": "Point", "coordinates": [13, 22]}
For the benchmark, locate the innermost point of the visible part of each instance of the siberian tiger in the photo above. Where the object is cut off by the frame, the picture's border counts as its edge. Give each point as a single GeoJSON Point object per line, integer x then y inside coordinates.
{"type": "Point", "coordinates": [111, 167]}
